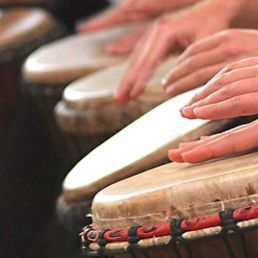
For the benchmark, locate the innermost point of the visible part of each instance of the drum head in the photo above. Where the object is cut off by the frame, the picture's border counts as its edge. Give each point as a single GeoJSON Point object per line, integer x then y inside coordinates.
{"type": "Point", "coordinates": [178, 191]}
{"type": "Point", "coordinates": [18, 26]}
{"type": "Point", "coordinates": [73, 57]}
{"type": "Point", "coordinates": [95, 90]}
{"type": "Point", "coordinates": [140, 146]}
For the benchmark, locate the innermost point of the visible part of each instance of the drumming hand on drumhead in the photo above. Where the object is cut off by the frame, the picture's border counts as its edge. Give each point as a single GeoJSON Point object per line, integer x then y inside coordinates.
{"type": "Point", "coordinates": [233, 92]}
{"type": "Point", "coordinates": [125, 44]}
{"type": "Point", "coordinates": [171, 32]}
{"type": "Point", "coordinates": [203, 59]}
{"type": "Point", "coordinates": [239, 139]}
{"type": "Point", "coordinates": [131, 11]}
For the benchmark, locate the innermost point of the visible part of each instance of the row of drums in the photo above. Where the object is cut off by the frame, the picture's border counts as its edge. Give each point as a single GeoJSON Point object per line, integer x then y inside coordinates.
{"type": "Point", "coordinates": [176, 210]}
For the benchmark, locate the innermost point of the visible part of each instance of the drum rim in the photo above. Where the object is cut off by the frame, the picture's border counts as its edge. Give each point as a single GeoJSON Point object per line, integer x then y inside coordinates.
{"type": "Point", "coordinates": [46, 71]}
{"type": "Point", "coordinates": [25, 47]}
{"type": "Point", "coordinates": [45, 17]}
{"type": "Point", "coordinates": [121, 240]}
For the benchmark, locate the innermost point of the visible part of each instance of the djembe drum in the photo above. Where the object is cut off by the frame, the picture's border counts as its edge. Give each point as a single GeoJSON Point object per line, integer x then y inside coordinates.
{"type": "Point", "coordinates": [141, 145]}
{"type": "Point", "coordinates": [52, 67]}
{"type": "Point", "coordinates": [179, 210]}
{"type": "Point", "coordinates": [88, 113]}
{"type": "Point", "coordinates": [21, 31]}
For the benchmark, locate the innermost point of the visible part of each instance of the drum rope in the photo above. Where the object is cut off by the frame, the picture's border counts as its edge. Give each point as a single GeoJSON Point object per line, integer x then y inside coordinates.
{"type": "Point", "coordinates": [176, 233]}
{"type": "Point", "coordinates": [110, 241]}
{"type": "Point", "coordinates": [243, 243]}
{"type": "Point", "coordinates": [228, 224]}
{"type": "Point", "coordinates": [173, 245]}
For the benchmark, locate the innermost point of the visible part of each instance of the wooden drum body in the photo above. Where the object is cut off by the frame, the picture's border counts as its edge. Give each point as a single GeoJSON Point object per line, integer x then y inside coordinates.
{"type": "Point", "coordinates": [141, 145]}
{"type": "Point", "coordinates": [21, 31]}
{"type": "Point", "coordinates": [52, 67]}
{"type": "Point", "coordinates": [179, 210]}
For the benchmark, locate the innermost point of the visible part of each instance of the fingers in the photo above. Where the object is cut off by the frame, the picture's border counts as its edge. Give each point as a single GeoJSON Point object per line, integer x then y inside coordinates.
{"type": "Point", "coordinates": [155, 7]}
{"type": "Point", "coordinates": [247, 62]}
{"type": "Point", "coordinates": [192, 81]}
{"type": "Point", "coordinates": [147, 55]}
{"type": "Point", "coordinates": [110, 18]}
{"type": "Point", "coordinates": [227, 143]}
{"type": "Point", "coordinates": [160, 49]}
{"type": "Point", "coordinates": [225, 77]}
{"type": "Point", "coordinates": [243, 105]}
{"type": "Point", "coordinates": [104, 20]}
{"type": "Point", "coordinates": [229, 91]}
{"type": "Point", "coordinates": [222, 93]}
{"type": "Point", "coordinates": [193, 64]}
{"type": "Point", "coordinates": [125, 44]}
{"type": "Point", "coordinates": [176, 154]}
{"type": "Point", "coordinates": [200, 46]}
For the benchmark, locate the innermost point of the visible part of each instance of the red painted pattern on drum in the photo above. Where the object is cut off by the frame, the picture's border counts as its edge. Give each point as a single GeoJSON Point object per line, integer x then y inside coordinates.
{"type": "Point", "coordinates": [245, 213]}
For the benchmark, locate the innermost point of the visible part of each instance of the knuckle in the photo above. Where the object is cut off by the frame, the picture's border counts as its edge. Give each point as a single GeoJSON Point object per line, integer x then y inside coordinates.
{"type": "Point", "coordinates": [226, 91]}
{"type": "Point", "coordinates": [232, 50]}
{"type": "Point", "coordinates": [227, 35]}
{"type": "Point", "coordinates": [217, 110]}
{"type": "Point", "coordinates": [162, 21]}
{"type": "Point", "coordinates": [235, 102]}
{"type": "Point", "coordinates": [224, 35]}
{"type": "Point", "coordinates": [232, 140]}
{"type": "Point", "coordinates": [191, 49]}
{"type": "Point", "coordinates": [190, 63]}
{"type": "Point", "coordinates": [160, 27]}
{"type": "Point", "coordinates": [199, 76]}
{"type": "Point", "coordinates": [230, 67]}
{"type": "Point", "coordinates": [221, 80]}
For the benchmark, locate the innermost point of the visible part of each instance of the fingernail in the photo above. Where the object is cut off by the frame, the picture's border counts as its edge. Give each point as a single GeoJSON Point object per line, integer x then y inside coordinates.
{"type": "Point", "coordinates": [197, 111]}
{"type": "Point", "coordinates": [170, 91]}
{"type": "Point", "coordinates": [164, 82]}
{"type": "Point", "coordinates": [196, 155]}
{"type": "Point", "coordinates": [174, 155]}
{"type": "Point", "coordinates": [188, 112]}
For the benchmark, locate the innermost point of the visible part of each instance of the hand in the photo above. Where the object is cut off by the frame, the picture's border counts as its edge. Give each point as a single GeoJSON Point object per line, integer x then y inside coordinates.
{"type": "Point", "coordinates": [232, 93]}
{"type": "Point", "coordinates": [239, 139]}
{"type": "Point", "coordinates": [167, 34]}
{"type": "Point", "coordinates": [203, 59]}
{"type": "Point", "coordinates": [125, 44]}
{"type": "Point", "coordinates": [133, 11]}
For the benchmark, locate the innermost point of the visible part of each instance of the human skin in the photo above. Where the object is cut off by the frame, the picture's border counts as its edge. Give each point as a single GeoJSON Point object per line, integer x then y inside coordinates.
{"type": "Point", "coordinates": [242, 138]}
{"type": "Point", "coordinates": [131, 11]}
{"type": "Point", "coordinates": [125, 44]}
{"type": "Point", "coordinates": [203, 59]}
{"type": "Point", "coordinates": [170, 32]}
{"type": "Point", "coordinates": [231, 93]}
{"type": "Point", "coordinates": [226, 95]}
{"type": "Point", "coordinates": [141, 10]}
